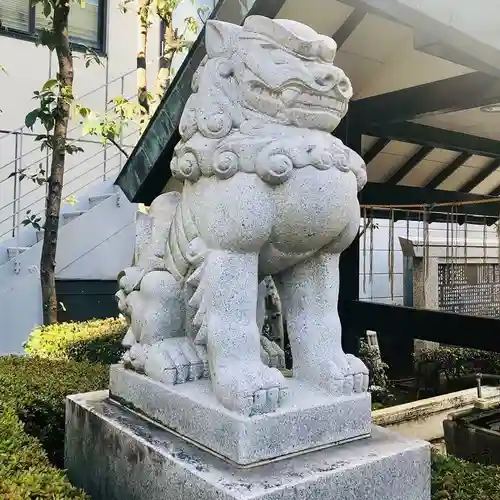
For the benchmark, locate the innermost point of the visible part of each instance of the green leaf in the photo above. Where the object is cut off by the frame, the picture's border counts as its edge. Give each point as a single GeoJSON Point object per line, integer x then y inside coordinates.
{"type": "Point", "coordinates": [47, 38]}
{"type": "Point", "coordinates": [49, 84]}
{"type": "Point", "coordinates": [31, 118]}
{"type": "Point", "coordinates": [47, 8]}
{"type": "Point", "coordinates": [83, 111]}
{"type": "Point", "coordinates": [70, 200]}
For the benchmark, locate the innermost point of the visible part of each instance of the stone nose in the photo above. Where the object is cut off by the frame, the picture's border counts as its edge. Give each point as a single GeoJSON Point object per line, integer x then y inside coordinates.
{"type": "Point", "coordinates": [334, 77]}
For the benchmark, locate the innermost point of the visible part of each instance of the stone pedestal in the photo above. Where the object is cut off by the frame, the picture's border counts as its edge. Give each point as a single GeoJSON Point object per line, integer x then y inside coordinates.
{"type": "Point", "coordinates": [308, 419]}
{"type": "Point", "coordinates": [116, 454]}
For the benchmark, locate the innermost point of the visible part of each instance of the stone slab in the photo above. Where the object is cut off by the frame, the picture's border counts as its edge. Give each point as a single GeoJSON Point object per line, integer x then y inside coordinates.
{"type": "Point", "coordinates": [308, 419]}
{"type": "Point", "coordinates": [115, 454]}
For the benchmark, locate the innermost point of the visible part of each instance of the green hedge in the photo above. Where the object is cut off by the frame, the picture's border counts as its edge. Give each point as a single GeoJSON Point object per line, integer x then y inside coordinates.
{"type": "Point", "coordinates": [25, 472]}
{"type": "Point", "coordinates": [97, 341]}
{"type": "Point", "coordinates": [455, 362]}
{"type": "Point", "coordinates": [37, 388]}
{"type": "Point", "coordinates": [453, 479]}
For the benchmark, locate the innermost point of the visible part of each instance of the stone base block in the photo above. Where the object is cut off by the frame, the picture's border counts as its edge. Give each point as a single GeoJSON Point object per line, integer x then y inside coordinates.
{"type": "Point", "coordinates": [115, 454]}
{"type": "Point", "coordinates": [309, 418]}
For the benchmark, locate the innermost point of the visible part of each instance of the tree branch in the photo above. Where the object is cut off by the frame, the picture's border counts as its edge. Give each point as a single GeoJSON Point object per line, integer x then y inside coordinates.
{"type": "Point", "coordinates": [112, 140]}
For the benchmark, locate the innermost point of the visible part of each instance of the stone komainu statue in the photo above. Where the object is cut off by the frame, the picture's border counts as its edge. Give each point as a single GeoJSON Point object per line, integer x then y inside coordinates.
{"type": "Point", "coordinates": [267, 190]}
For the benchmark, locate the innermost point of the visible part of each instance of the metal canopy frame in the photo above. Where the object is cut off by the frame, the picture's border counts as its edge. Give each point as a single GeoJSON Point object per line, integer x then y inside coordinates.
{"type": "Point", "coordinates": [458, 93]}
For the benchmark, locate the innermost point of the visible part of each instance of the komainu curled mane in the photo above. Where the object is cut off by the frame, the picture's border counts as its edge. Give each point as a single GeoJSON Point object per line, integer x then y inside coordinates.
{"type": "Point", "coordinates": [267, 190]}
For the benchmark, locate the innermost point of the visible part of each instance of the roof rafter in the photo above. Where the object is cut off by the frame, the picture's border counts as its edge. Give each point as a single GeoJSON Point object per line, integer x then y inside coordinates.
{"type": "Point", "coordinates": [348, 26]}
{"type": "Point", "coordinates": [425, 135]}
{"type": "Point", "coordinates": [481, 176]}
{"type": "Point", "coordinates": [375, 150]}
{"type": "Point", "coordinates": [381, 194]}
{"type": "Point", "coordinates": [448, 170]}
{"type": "Point", "coordinates": [412, 162]}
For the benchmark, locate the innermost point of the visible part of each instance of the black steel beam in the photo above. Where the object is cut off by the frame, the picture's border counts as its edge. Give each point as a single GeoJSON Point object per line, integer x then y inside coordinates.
{"type": "Point", "coordinates": [349, 25]}
{"type": "Point", "coordinates": [495, 192]}
{"type": "Point", "coordinates": [435, 137]}
{"type": "Point", "coordinates": [381, 194]}
{"type": "Point", "coordinates": [481, 176]}
{"type": "Point", "coordinates": [444, 96]}
{"type": "Point", "coordinates": [402, 172]}
{"type": "Point", "coordinates": [424, 324]}
{"type": "Point", "coordinates": [349, 260]}
{"type": "Point", "coordinates": [375, 150]}
{"type": "Point", "coordinates": [448, 170]}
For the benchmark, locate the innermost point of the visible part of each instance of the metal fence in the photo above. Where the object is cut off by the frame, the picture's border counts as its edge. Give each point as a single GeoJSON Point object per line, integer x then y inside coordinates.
{"type": "Point", "coordinates": [472, 288]}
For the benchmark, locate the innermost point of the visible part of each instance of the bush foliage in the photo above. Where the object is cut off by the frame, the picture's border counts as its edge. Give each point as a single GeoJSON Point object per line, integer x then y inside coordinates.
{"type": "Point", "coordinates": [453, 479]}
{"type": "Point", "coordinates": [25, 471]}
{"type": "Point", "coordinates": [455, 362]}
{"type": "Point", "coordinates": [380, 387]}
{"type": "Point", "coordinates": [36, 390]}
{"type": "Point", "coordinates": [96, 341]}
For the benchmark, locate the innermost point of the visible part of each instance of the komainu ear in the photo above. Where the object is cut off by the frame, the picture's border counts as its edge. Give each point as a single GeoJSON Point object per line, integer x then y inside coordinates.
{"type": "Point", "coordinates": [220, 38]}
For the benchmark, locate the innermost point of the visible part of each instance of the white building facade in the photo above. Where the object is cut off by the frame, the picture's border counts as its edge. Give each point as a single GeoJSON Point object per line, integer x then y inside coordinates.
{"type": "Point", "coordinates": [100, 26]}
{"type": "Point", "coordinates": [97, 231]}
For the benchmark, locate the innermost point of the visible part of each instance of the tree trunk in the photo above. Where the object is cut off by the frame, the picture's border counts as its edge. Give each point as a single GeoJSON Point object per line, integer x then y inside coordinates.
{"type": "Point", "coordinates": [55, 181]}
{"type": "Point", "coordinates": [167, 57]}
{"type": "Point", "coordinates": [142, 82]}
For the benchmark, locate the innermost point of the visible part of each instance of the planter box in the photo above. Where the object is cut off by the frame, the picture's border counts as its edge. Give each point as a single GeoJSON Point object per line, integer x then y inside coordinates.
{"type": "Point", "coordinates": [474, 434]}
{"type": "Point", "coordinates": [423, 419]}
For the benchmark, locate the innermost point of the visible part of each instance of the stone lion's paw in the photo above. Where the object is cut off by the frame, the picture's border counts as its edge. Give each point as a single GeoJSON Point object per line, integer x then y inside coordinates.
{"type": "Point", "coordinates": [249, 389]}
{"type": "Point", "coordinates": [176, 361]}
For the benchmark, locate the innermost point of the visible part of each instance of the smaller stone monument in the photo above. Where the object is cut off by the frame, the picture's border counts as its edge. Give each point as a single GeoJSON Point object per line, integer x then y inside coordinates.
{"type": "Point", "coordinates": [199, 408]}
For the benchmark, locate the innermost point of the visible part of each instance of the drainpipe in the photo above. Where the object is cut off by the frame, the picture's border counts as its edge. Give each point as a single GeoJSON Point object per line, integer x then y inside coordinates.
{"type": "Point", "coordinates": [480, 377]}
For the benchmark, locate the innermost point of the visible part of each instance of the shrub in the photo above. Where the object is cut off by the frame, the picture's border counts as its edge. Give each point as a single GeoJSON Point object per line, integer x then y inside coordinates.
{"type": "Point", "coordinates": [455, 362]}
{"type": "Point", "coordinates": [37, 388]}
{"type": "Point", "coordinates": [453, 479]}
{"type": "Point", "coordinates": [97, 341]}
{"type": "Point", "coordinates": [379, 381]}
{"type": "Point", "coordinates": [25, 471]}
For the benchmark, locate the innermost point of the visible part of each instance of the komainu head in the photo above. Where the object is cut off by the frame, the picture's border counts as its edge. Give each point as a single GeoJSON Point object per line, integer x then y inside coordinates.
{"type": "Point", "coordinates": [285, 70]}
{"type": "Point", "coordinates": [268, 81]}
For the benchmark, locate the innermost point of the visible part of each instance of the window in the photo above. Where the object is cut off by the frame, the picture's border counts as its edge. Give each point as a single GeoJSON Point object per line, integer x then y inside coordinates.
{"type": "Point", "coordinates": [85, 23]}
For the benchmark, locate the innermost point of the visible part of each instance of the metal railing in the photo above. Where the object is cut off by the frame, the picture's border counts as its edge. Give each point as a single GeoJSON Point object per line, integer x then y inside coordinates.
{"type": "Point", "coordinates": [16, 199]}
{"type": "Point", "coordinates": [101, 169]}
